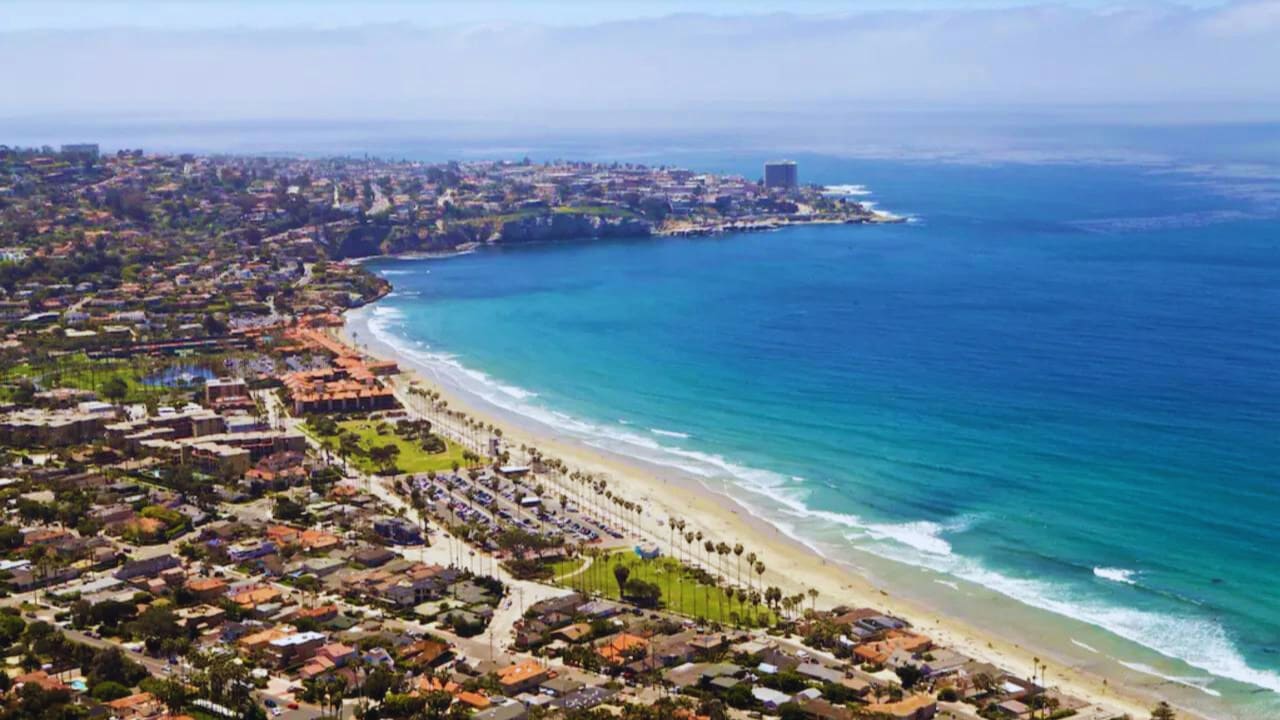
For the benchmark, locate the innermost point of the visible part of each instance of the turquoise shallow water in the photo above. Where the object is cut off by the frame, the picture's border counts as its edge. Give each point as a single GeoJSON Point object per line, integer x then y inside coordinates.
{"type": "Point", "coordinates": [1059, 382]}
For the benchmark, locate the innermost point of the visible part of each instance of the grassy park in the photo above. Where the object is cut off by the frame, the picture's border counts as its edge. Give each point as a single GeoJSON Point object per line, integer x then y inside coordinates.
{"type": "Point", "coordinates": [410, 456]}
{"type": "Point", "coordinates": [682, 590]}
{"type": "Point", "coordinates": [115, 380]}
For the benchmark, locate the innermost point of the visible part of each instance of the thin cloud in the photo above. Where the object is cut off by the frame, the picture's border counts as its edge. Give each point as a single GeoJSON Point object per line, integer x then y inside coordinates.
{"type": "Point", "coordinates": [681, 66]}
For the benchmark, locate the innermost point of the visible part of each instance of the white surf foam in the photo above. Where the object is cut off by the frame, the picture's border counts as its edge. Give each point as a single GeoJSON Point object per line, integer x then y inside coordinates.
{"type": "Point", "coordinates": [669, 433]}
{"type": "Point", "coordinates": [1086, 646]}
{"type": "Point", "coordinates": [1201, 643]}
{"type": "Point", "coordinates": [846, 190]}
{"type": "Point", "coordinates": [380, 324]}
{"type": "Point", "coordinates": [1119, 575]}
{"type": "Point", "coordinates": [923, 535]}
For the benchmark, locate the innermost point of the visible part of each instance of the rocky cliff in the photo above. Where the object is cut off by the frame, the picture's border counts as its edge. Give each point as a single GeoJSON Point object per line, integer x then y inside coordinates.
{"type": "Point", "coordinates": [569, 226]}
{"type": "Point", "coordinates": [381, 238]}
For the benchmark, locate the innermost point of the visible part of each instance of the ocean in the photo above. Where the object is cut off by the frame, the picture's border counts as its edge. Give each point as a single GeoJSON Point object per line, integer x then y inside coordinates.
{"type": "Point", "coordinates": [1049, 403]}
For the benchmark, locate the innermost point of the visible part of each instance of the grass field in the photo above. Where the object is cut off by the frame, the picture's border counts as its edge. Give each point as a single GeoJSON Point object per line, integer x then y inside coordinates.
{"type": "Point", "coordinates": [561, 568]}
{"type": "Point", "coordinates": [598, 210]}
{"type": "Point", "coordinates": [78, 371]}
{"type": "Point", "coordinates": [681, 592]}
{"type": "Point", "coordinates": [412, 458]}
{"type": "Point", "coordinates": [601, 210]}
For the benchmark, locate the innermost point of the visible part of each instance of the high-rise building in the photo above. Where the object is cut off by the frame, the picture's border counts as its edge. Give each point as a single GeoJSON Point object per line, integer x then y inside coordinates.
{"type": "Point", "coordinates": [781, 174]}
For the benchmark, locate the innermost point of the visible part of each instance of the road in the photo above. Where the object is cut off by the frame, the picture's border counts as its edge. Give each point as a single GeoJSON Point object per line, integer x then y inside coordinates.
{"type": "Point", "coordinates": [155, 666]}
{"type": "Point", "coordinates": [521, 593]}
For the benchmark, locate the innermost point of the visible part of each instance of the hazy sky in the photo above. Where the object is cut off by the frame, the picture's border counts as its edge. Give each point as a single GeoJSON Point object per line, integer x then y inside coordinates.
{"type": "Point", "coordinates": [629, 62]}
{"type": "Point", "coordinates": [27, 14]}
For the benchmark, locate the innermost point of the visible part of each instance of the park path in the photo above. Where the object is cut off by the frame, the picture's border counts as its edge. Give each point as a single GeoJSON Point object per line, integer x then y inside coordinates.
{"type": "Point", "coordinates": [576, 571]}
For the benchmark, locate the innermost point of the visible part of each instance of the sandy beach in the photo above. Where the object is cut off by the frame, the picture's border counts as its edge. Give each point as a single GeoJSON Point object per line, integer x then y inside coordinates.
{"type": "Point", "coordinates": [791, 565]}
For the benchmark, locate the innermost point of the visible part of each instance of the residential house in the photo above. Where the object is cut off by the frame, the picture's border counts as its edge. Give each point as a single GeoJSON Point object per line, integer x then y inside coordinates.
{"type": "Point", "coordinates": [517, 678]}
{"type": "Point", "coordinates": [914, 707]}
{"type": "Point", "coordinates": [620, 648]}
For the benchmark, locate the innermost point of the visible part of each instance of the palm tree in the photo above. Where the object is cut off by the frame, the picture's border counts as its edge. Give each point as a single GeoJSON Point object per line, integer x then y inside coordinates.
{"type": "Point", "coordinates": [43, 556]}
{"type": "Point", "coordinates": [671, 550]}
{"type": "Point", "coordinates": [708, 547]}
{"type": "Point", "coordinates": [737, 552]}
{"type": "Point", "coordinates": [759, 567]}
{"type": "Point", "coordinates": [688, 540]}
{"type": "Point", "coordinates": [335, 690]}
{"type": "Point", "coordinates": [813, 599]}
{"type": "Point", "coordinates": [599, 490]}
{"type": "Point", "coordinates": [723, 549]}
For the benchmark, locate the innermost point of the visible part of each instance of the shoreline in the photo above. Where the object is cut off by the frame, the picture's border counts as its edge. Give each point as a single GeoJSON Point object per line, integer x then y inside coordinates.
{"type": "Point", "coordinates": [875, 217]}
{"type": "Point", "coordinates": [793, 564]}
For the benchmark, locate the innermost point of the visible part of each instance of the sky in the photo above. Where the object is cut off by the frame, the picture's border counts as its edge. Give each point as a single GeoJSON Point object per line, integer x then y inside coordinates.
{"type": "Point", "coordinates": [35, 14]}
{"type": "Point", "coordinates": [635, 63]}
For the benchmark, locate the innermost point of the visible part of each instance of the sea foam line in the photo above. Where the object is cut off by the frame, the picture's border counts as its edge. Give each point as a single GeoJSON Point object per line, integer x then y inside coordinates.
{"type": "Point", "coordinates": [1086, 646]}
{"type": "Point", "coordinates": [1200, 643]}
{"type": "Point", "coordinates": [669, 433]}
{"type": "Point", "coordinates": [1119, 575]}
{"type": "Point", "coordinates": [846, 190]}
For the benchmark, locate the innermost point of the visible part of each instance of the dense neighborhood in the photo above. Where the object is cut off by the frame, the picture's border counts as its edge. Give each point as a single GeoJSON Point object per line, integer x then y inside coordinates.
{"type": "Point", "coordinates": [214, 507]}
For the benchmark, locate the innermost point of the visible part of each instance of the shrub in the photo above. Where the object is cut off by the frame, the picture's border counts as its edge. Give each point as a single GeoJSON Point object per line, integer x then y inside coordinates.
{"type": "Point", "coordinates": [109, 690]}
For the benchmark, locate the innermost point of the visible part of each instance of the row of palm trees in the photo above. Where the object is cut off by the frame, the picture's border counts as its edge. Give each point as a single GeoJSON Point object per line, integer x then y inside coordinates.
{"type": "Point", "coordinates": [476, 433]}
{"type": "Point", "coordinates": [595, 579]}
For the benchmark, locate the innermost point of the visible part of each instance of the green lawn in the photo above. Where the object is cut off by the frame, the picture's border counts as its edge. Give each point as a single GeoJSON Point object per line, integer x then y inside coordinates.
{"type": "Point", "coordinates": [505, 217]}
{"type": "Point", "coordinates": [95, 379]}
{"type": "Point", "coordinates": [78, 371]}
{"type": "Point", "coordinates": [412, 458]}
{"type": "Point", "coordinates": [601, 210]}
{"type": "Point", "coordinates": [560, 568]}
{"type": "Point", "coordinates": [681, 592]}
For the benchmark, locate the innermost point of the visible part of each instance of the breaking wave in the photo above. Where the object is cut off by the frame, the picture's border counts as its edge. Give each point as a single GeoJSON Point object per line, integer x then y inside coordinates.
{"type": "Point", "coordinates": [669, 433]}
{"type": "Point", "coordinates": [846, 190]}
{"type": "Point", "coordinates": [1119, 575]}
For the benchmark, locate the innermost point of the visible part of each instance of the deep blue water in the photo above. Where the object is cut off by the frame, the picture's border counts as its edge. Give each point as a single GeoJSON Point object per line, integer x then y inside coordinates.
{"type": "Point", "coordinates": [1060, 382]}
